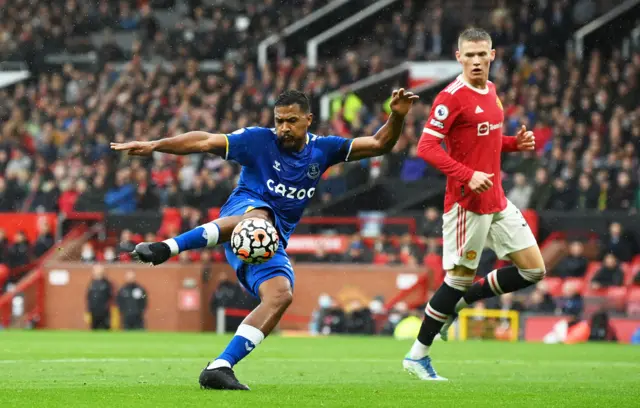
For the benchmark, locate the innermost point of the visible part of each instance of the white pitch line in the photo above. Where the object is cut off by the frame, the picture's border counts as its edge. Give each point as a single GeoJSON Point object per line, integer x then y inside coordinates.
{"type": "Point", "coordinates": [327, 360]}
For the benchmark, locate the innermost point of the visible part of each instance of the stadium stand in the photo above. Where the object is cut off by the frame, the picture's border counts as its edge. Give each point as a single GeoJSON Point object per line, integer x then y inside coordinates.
{"type": "Point", "coordinates": [56, 127]}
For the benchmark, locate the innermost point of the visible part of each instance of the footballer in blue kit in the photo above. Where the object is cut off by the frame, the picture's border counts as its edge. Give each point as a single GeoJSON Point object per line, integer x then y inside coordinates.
{"type": "Point", "coordinates": [281, 168]}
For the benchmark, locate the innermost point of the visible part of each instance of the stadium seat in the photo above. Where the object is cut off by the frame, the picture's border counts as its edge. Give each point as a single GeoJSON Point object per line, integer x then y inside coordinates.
{"type": "Point", "coordinates": [616, 296]}
{"type": "Point", "coordinates": [213, 213]}
{"type": "Point", "coordinates": [630, 272]}
{"type": "Point", "coordinates": [380, 259]}
{"type": "Point", "coordinates": [634, 294]}
{"type": "Point", "coordinates": [581, 283]}
{"type": "Point", "coordinates": [633, 301]}
{"type": "Point", "coordinates": [592, 269]}
{"type": "Point", "coordinates": [597, 293]}
{"type": "Point", "coordinates": [554, 286]}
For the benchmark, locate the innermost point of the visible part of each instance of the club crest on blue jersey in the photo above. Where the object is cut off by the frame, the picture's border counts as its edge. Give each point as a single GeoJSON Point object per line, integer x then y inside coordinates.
{"type": "Point", "coordinates": [313, 171]}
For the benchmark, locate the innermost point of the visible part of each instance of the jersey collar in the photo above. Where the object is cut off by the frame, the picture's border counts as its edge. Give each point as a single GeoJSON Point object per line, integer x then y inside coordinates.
{"type": "Point", "coordinates": [473, 88]}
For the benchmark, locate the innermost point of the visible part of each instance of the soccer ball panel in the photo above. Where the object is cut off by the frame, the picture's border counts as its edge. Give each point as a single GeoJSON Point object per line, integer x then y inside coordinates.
{"type": "Point", "coordinates": [254, 241]}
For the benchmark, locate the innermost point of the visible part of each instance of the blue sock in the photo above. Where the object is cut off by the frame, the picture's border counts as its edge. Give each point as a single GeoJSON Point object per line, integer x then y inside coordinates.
{"type": "Point", "coordinates": [246, 339]}
{"type": "Point", "coordinates": [203, 236]}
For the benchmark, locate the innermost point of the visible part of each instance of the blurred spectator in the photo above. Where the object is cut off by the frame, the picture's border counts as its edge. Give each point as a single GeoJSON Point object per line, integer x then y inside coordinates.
{"type": "Point", "coordinates": [409, 252]}
{"type": "Point", "coordinates": [609, 274]}
{"type": "Point", "coordinates": [328, 318]}
{"type": "Point", "coordinates": [573, 265]}
{"type": "Point", "coordinates": [601, 328]}
{"type": "Point", "coordinates": [109, 255]}
{"type": "Point", "coordinates": [359, 319]}
{"type": "Point", "coordinates": [87, 253]}
{"type": "Point", "coordinates": [122, 197]}
{"type": "Point", "coordinates": [561, 197]}
{"type": "Point", "coordinates": [357, 252]}
{"type": "Point", "coordinates": [126, 243]}
{"type": "Point", "coordinates": [399, 311]}
{"type": "Point", "coordinates": [619, 244]}
{"type": "Point", "coordinates": [544, 191]}
{"type": "Point", "coordinates": [4, 247]}
{"type": "Point", "coordinates": [19, 251]}
{"type": "Point", "coordinates": [587, 194]}
{"type": "Point", "coordinates": [540, 301]}
{"type": "Point", "coordinates": [623, 193]}
{"type": "Point", "coordinates": [44, 242]}
{"type": "Point", "coordinates": [99, 296]}
{"type": "Point", "coordinates": [520, 193]}
{"type": "Point", "coordinates": [572, 303]}
{"type": "Point", "coordinates": [90, 199]}
{"type": "Point", "coordinates": [230, 294]}
{"type": "Point", "coordinates": [132, 303]}
{"type": "Point", "coordinates": [431, 225]}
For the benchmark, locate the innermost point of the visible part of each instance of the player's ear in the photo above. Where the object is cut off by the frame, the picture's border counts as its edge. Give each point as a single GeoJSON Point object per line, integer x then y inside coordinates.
{"type": "Point", "coordinates": [309, 118]}
{"type": "Point", "coordinates": [458, 56]}
{"type": "Point", "coordinates": [493, 54]}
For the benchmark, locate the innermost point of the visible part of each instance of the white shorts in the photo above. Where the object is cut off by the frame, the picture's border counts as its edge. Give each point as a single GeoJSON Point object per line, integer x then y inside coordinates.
{"type": "Point", "coordinates": [466, 234]}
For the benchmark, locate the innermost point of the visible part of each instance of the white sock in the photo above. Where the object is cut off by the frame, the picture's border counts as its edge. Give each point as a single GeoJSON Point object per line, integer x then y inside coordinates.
{"type": "Point", "coordinates": [173, 246]}
{"type": "Point", "coordinates": [461, 305]}
{"type": "Point", "coordinates": [218, 363]}
{"type": "Point", "coordinates": [245, 331]}
{"type": "Point", "coordinates": [250, 333]}
{"type": "Point", "coordinates": [211, 233]}
{"type": "Point", "coordinates": [418, 350]}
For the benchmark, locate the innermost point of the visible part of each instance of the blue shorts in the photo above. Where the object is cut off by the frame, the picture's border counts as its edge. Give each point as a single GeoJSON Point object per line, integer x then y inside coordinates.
{"type": "Point", "coordinates": [252, 276]}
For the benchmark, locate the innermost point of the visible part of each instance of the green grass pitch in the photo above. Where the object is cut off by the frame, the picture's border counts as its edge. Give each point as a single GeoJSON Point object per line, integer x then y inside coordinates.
{"type": "Point", "coordinates": [82, 369]}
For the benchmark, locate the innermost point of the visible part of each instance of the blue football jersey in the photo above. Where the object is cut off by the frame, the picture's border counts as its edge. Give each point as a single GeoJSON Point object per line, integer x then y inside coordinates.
{"type": "Point", "coordinates": [284, 180]}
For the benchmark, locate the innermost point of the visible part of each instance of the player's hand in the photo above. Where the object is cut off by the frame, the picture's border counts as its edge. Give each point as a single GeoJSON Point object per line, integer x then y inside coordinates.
{"type": "Point", "coordinates": [134, 148]}
{"type": "Point", "coordinates": [525, 139]}
{"type": "Point", "coordinates": [401, 101]}
{"type": "Point", "coordinates": [480, 182]}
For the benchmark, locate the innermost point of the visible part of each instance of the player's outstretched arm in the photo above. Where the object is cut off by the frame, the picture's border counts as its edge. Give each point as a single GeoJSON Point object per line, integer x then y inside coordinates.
{"type": "Point", "coordinates": [387, 137]}
{"type": "Point", "coordinates": [186, 143]}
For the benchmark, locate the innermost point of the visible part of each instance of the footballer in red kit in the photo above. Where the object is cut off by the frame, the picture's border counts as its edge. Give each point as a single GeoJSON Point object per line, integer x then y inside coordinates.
{"type": "Point", "coordinates": [472, 120]}
{"type": "Point", "coordinates": [467, 116]}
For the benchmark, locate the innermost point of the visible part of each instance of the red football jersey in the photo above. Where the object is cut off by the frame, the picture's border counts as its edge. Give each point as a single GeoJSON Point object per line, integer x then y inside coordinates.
{"type": "Point", "coordinates": [470, 122]}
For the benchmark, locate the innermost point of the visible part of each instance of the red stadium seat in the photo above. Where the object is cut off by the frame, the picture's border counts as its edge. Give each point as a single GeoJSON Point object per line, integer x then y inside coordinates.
{"type": "Point", "coordinates": [591, 292]}
{"type": "Point", "coordinates": [380, 259]}
{"type": "Point", "coordinates": [213, 213]}
{"type": "Point", "coordinates": [581, 284]}
{"type": "Point", "coordinates": [630, 273]}
{"type": "Point", "coordinates": [617, 296]}
{"type": "Point", "coordinates": [554, 286]}
{"type": "Point", "coordinates": [633, 301]}
{"type": "Point", "coordinates": [592, 269]}
{"type": "Point", "coordinates": [634, 294]}
{"type": "Point", "coordinates": [218, 256]}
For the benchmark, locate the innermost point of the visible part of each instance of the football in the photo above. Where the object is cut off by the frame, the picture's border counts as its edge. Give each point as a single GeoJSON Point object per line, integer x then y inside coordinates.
{"type": "Point", "coordinates": [254, 241]}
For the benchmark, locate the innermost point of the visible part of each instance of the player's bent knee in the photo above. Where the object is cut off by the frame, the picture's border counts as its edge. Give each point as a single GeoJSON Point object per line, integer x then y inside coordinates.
{"type": "Point", "coordinates": [533, 275]}
{"type": "Point", "coordinates": [280, 299]}
{"type": "Point", "coordinates": [458, 282]}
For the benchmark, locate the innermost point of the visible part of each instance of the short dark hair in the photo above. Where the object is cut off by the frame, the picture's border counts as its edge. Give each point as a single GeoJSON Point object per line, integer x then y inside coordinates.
{"type": "Point", "coordinates": [474, 34]}
{"type": "Point", "coordinates": [293, 97]}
